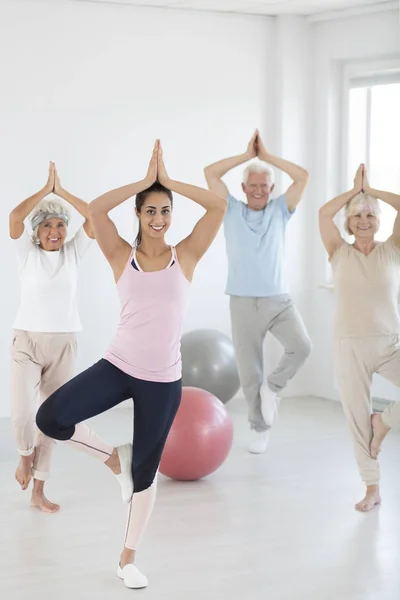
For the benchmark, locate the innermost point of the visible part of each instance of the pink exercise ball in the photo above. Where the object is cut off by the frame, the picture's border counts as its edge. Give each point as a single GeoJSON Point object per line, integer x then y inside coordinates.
{"type": "Point", "coordinates": [200, 437]}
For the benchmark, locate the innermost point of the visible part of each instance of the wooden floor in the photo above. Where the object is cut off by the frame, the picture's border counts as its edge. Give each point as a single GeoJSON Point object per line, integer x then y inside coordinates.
{"type": "Point", "coordinates": [276, 527]}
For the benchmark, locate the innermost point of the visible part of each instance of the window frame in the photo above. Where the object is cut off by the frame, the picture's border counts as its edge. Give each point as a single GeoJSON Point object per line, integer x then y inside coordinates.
{"type": "Point", "coordinates": [364, 72]}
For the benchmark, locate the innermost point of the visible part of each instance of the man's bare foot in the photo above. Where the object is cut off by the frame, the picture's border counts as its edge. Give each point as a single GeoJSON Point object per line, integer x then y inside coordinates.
{"type": "Point", "coordinates": [40, 501]}
{"type": "Point", "coordinates": [23, 473]}
{"type": "Point", "coordinates": [379, 433]}
{"type": "Point", "coordinates": [372, 499]}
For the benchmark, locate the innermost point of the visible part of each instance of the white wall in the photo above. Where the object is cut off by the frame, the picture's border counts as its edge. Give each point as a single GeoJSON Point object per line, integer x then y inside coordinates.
{"type": "Point", "coordinates": [292, 87]}
{"type": "Point", "coordinates": [91, 86]}
{"type": "Point", "coordinates": [335, 43]}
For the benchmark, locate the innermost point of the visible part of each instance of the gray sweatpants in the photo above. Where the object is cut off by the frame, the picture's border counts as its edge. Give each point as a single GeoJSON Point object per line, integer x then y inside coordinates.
{"type": "Point", "coordinates": [252, 319]}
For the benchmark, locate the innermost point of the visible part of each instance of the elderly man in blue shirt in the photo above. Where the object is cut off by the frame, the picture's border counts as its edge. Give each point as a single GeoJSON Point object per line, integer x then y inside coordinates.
{"type": "Point", "coordinates": [259, 300]}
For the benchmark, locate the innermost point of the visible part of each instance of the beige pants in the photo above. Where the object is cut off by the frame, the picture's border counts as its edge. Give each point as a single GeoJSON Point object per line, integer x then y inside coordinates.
{"type": "Point", "coordinates": [41, 363]}
{"type": "Point", "coordinates": [356, 360]}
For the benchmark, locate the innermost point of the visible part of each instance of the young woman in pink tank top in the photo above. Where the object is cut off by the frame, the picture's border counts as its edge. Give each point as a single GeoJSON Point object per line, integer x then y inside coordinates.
{"type": "Point", "coordinates": [143, 361]}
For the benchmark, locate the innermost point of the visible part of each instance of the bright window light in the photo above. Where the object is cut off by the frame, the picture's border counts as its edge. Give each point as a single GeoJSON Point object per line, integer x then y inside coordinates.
{"type": "Point", "coordinates": [374, 139]}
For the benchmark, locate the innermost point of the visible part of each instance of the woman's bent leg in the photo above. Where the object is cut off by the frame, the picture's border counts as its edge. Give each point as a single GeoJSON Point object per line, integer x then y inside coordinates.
{"type": "Point", "coordinates": [354, 369]}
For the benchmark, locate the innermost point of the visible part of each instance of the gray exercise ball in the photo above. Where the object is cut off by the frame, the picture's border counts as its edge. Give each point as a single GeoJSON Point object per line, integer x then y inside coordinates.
{"type": "Point", "coordinates": [209, 363]}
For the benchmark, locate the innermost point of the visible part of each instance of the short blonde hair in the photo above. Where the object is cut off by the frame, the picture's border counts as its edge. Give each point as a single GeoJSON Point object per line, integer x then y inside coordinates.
{"type": "Point", "coordinates": [258, 167]}
{"type": "Point", "coordinates": [356, 204]}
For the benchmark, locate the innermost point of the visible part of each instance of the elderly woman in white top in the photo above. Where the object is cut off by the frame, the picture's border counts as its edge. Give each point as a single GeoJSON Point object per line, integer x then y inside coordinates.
{"type": "Point", "coordinates": [44, 342]}
{"type": "Point", "coordinates": [367, 325]}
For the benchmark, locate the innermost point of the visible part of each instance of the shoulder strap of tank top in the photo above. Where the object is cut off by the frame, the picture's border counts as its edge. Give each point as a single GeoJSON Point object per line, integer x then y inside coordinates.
{"type": "Point", "coordinates": [134, 259]}
{"type": "Point", "coordinates": [174, 256]}
{"type": "Point", "coordinates": [172, 259]}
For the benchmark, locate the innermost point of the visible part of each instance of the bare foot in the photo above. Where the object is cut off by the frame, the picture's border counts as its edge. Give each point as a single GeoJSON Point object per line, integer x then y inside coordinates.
{"type": "Point", "coordinates": [372, 499]}
{"type": "Point", "coordinates": [40, 501]}
{"type": "Point", "coordinates": [379, 433]}
{"type": "Point", "coordinates": [23, 473]}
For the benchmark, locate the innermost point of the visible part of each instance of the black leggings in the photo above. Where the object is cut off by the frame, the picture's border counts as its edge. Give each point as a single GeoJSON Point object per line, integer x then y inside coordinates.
{"type": "Point", "coordinates": [102, 387]}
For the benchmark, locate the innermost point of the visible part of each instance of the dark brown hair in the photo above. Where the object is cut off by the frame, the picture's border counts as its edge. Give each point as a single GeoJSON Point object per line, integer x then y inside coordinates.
{"type": "Point", "coordinates": [140, 199]}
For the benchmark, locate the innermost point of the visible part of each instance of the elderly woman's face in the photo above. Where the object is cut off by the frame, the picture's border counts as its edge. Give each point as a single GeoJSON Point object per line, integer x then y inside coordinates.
{"type": "Point", "coordinates": [52, 234]}
{"type": "Point", "coordinates": [364, 223]}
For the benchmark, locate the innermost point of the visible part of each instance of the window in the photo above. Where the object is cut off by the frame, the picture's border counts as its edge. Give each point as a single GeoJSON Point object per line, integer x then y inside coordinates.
{"type": "Point", "coordinates": [373, 136]}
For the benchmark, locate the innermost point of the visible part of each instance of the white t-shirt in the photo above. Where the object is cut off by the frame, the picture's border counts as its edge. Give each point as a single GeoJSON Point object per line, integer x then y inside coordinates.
{"type": "Point", "coordinates": [49, 282]}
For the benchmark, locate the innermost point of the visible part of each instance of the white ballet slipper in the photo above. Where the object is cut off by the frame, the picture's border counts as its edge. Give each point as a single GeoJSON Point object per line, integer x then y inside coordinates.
{"type": "Point", "coordinates": [125, 478]}
{"type": "Point", "coordinates": [132, 577]}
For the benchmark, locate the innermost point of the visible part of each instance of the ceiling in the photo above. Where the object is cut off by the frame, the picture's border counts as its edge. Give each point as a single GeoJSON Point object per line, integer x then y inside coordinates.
{"type": "Point", "coordinates": [256, 7]}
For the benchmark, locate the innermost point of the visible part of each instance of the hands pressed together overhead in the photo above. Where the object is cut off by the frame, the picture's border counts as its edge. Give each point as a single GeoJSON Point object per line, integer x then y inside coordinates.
{"type": "Point", "coordinates": [361, 183]}
{"type": "Point", "coordinates": [256, 147]}
{"type": "Point", "coordinates": [156, 170]}
{"type": "Point", "coordinates": [53, 183]}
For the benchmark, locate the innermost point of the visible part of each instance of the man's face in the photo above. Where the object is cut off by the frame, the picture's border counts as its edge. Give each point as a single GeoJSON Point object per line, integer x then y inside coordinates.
{"type": "Point", "coordinates": [258, 190]}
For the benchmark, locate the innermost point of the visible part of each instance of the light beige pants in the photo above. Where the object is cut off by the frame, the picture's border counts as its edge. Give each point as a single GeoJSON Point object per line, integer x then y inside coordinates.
{"type": "Point", "coordinates": [356, 360]}
{"type": "Point", "coordinates": [41, 363]}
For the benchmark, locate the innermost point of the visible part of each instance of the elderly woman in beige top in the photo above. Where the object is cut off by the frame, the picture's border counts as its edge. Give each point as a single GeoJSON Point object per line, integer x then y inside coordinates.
{"type": "Point", "coordinates": [367, 325]}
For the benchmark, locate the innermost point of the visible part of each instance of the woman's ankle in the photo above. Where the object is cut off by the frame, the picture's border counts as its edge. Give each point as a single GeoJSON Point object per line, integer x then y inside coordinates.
{"type": "Point", "coordinates": [127, 557]}
{"type": "Point", "coordinates": [373, 488]}
{"type": "Point", "coordinates": [113, 462]}
{"type": "Point", "coordinates": [38, 486]}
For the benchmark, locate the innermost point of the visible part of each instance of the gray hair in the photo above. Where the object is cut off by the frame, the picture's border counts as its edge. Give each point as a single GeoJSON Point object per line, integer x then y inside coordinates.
{"type": "Point", "coordinates": [258, 167]}
{"type": "Point", "coordinates": [47, 209]}
{"type": "Point", "coordinates": [356, 204]}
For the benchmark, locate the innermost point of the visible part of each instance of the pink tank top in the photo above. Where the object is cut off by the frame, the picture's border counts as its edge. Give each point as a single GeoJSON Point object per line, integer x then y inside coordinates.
{"type": "Point", "coordinates": [147, 344]}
